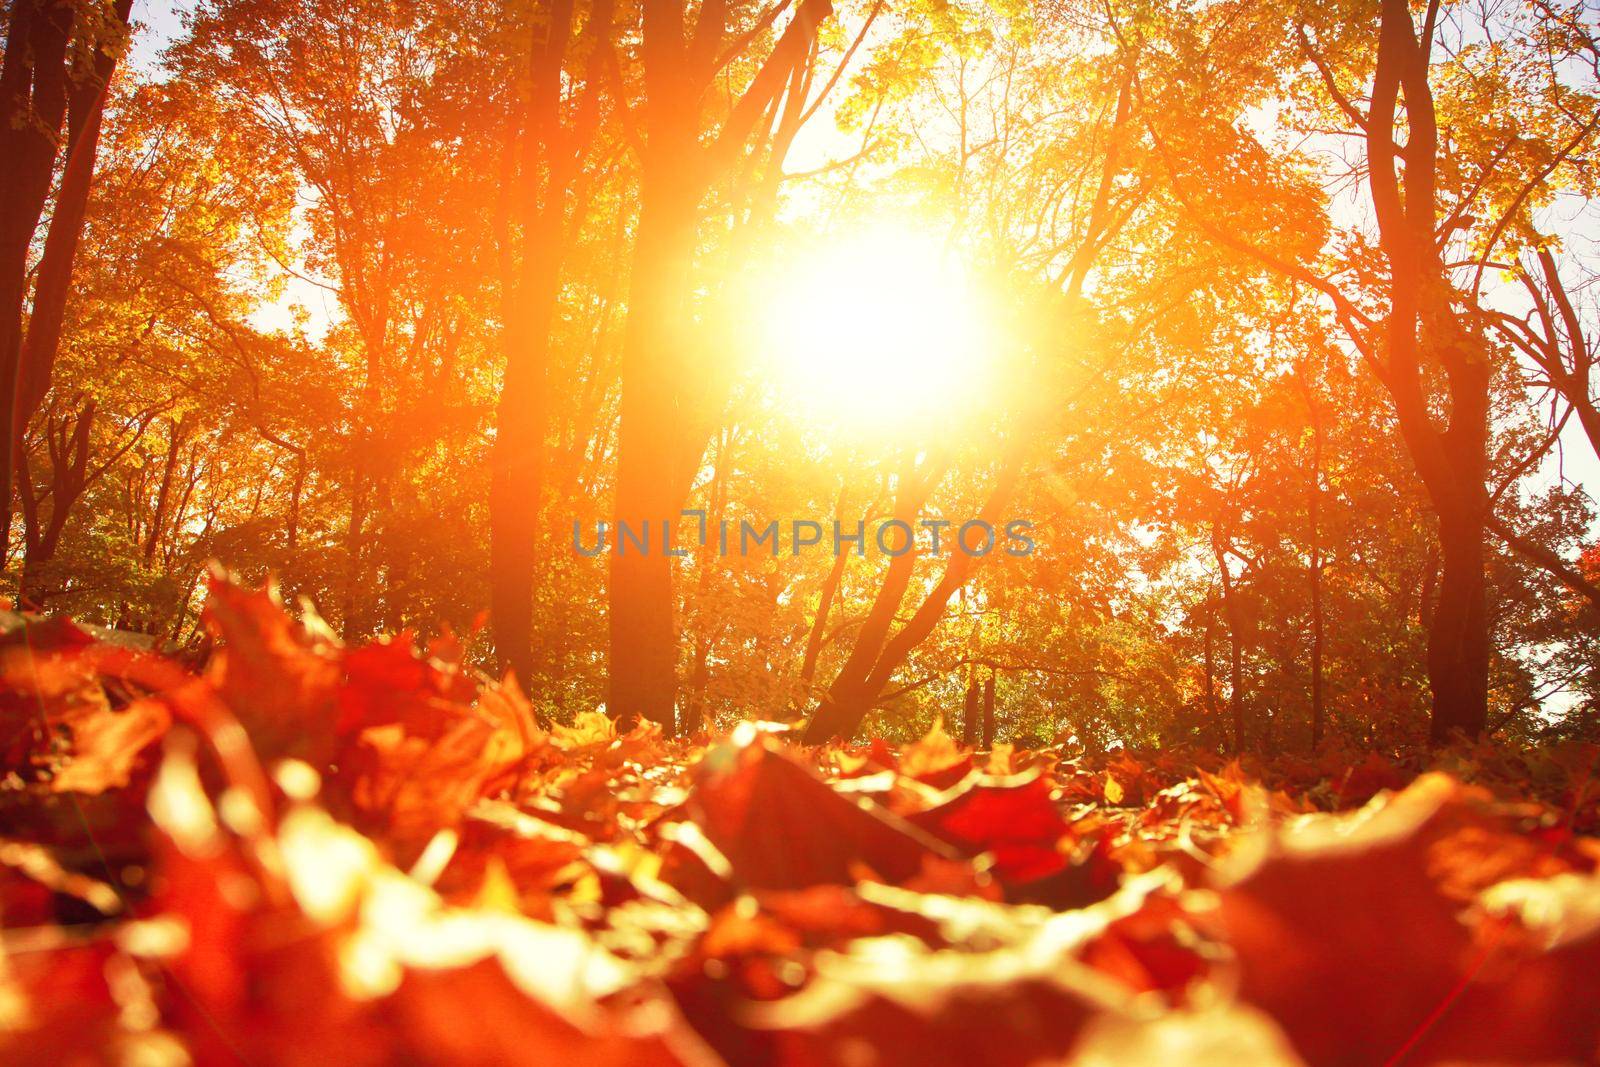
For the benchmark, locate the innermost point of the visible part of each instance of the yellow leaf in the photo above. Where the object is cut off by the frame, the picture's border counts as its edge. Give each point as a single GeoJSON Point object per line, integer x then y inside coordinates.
{"type": "Point", "coordinates": [934, 753]}
{"type": "Point", "coordinates": [1113, 790]}
{"type": "Point", "coordinates": [588, 728]}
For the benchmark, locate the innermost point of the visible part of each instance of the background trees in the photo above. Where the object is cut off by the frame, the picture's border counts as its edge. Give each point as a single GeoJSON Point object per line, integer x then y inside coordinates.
{"type": "Point", "coordinates": [1454, 126]}
{"type": "Point", "coordinates": [58, 64]}
{"type": "Point", "coordinates": [1290, 312]}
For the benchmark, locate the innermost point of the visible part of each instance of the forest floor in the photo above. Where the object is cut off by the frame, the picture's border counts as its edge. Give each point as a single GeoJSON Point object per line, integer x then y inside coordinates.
{"type": "Point", "coordinates": [310, 853]}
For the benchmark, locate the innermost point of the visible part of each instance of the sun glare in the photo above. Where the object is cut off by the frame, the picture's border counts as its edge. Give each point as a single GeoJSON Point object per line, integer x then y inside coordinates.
{"type": "Point", "coordinates": [882, 329]}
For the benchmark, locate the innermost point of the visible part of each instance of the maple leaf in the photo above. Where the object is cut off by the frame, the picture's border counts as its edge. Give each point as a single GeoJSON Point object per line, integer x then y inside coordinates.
{"type": "Point", "coordinates": [894, 1002]}
{"type": "Point", "coordinates": [1128, 781]}
{"type": "Point", "coordinates": [279, 677]}
{"type": "Point", "coordinates": [416, 785]}
{"type": "Point", "coordinates": [58, 1006]}
{"type": "Point", "coordinates": [1000, 762]}
{"type": "Point", "coordinates": [1152, 948]}
{"type": "Point", "coordinates": [502, 849]}
{"type": "Point", "coordinates": [1222, 1036]}
{"type": "Point", "coordinates": [1113, 791]}
{"type": "Point", "coordinates": [1344, 934]}
{"type": "Point", "coordinates": [935, 759]}
{"type": "Point", "coordinates": [477, 1014]}
{"type": "Point", "coordinates": [43, 683]}
{"type": "Point", "coordinates": [30, 874]}
{"type": "Point", "coordinates": [1014, 819]}
{"type": "Point", "coordinates": [365, 959]}
{"type": "Point", "coordinates": [61, 721]}
{"type": "Point", "coordinates": [387, 682]}
{"type": "Point", "coordinates": [691, 864]}
{"type": "Point", "coordinates": [1360, 782]}
{"type": "Point", "coordinates": [106, 744]}
{"type": "Point", "coordinates": [781, 827]}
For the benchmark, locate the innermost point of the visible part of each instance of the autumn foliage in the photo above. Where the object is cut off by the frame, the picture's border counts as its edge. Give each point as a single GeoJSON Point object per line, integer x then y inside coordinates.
{"type": "Point", "coordinates": [301, 852]}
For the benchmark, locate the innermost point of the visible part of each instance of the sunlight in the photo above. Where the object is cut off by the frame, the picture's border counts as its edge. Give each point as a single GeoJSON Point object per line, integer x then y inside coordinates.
{"type": "Point", "coordinates": [879, 330]}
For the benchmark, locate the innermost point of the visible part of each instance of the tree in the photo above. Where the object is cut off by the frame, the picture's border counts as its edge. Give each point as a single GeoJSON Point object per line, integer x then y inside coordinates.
{"type": "Point", "coordinates": [364, 103]}
{"type": "Point", "coordinates": [669, 401]}
{"type": "Point", "coordinates": [551, 130]}
{"type": "Point", "coordinates": [58, 63]}
{"type": "Point", "coordinates": [1411, 312]}
{"type": "Point", "coordinates": [1552, 335]}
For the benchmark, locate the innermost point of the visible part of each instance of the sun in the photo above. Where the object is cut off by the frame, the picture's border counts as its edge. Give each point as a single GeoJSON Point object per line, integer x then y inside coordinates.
{"type": "Point", "coordinates": [880, 330]}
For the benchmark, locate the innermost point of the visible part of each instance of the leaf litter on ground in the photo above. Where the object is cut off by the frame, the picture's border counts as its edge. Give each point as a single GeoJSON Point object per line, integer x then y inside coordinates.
{"type": "Point", "coordinates": [305, 849]}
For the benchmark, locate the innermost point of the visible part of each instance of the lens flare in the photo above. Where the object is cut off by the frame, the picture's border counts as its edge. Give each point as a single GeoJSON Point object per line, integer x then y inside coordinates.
{"type": "Point", "coordinates": [880, 330]}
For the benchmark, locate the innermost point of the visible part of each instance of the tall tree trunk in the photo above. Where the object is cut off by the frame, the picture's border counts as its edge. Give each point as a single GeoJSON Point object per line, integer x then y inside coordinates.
{"type": "Point", "coordinates": [68, 444]}
{"type": "Point", "coordinates": [1458, 639]}
{"type": "Point", "coordinates": [543, 159]}
{"type": "Point", "coordinates": [652, 445]}
{"type": "Point", "coordinates": [1427, 587]}
{"type": "Point", "coordinates": [850, 695]}
{"type": "Point", "coordinates": [33, 100]}
{"type": "Point", "coordinates": [516, 483]}
{"type": "Point", "coordinates": [877, 656]}
{"type": "Point", "coordinates": [1230, 608]}
{"type": "Point", "coordinates": [352, 609]}
{"type": "Point", "coordinates": [85, 108]}
{"type": "Point", "coordinates": [819, 625]}
{"type": "Point", "coordinates": [291, 535]}
{"type": "Point", "coordinates": [158, 520]}
{"type": "Point", "coordinates": [1453, 464]}
{"type": "Point", "coordinates": [1423, 327]}
{"type": "Point", "coordinates": [988, 711]}
{"type": "Point", "coordinates": [705, 620]}
{"type": "Point", "coordinates": [1210, 648]}
{"type": "Point", "coordinates": [669, 406]}
{"type": "Point", "coordinates": [969, 717]}
{"type": "Point", "coordinates": [1318, 711]}
{"type": "Point", "coordinates": [1313, 517]}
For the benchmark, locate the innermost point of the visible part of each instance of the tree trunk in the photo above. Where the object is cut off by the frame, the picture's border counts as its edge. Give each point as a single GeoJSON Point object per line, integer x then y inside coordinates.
{"type": "Point", "coordinates": [68, 442]}
{"type": "Point", "coordinates": [854, 692]}
{"type": "Point", "coordinates": [652, 445]}
{"type": "Point", "coordinates": [694, 711]}
{"type": "Point", "coordinates": [988, 711]}
{"type": "Point", "coordinates": [85, 108]}
{"type": "Point", "coordinates": [1230, 608]}
{"type": "Point", "coordinates": [352, 611]}
{"type": "Point", "coordinates": [669, 407]}
{"type": "Point", "coordinates": [516, 483]}
{"type": "Point", "coordinates": [33, 100]}
{"type": "Point", "coordinates": [1458, 639]}
{"type": "Point", "coordinates": [1317, 710]}
{"type": "Point", "coordinates": [1211, 658]}
{"type": "Point", "coordinates": [969, 719]}
{"type": "Point", "coordinates": [1427, 587]}
{"type": "Point", "coordinates": [819, 625]}
{"type": "Point", "coordinates": [1423, 327]}
{"type": "Point", "coordinates": [158, 520]}
{"type": "Point", "coordinates": [851, 694]}
{"type": "Point", "coordinates": [1313, 515]}
{"type": "Point", "coordinates": [291, 536]}
{"type": "Point", "coordinates": [700, 674]}
{"type": "Point", "coordinates": [542, 159]}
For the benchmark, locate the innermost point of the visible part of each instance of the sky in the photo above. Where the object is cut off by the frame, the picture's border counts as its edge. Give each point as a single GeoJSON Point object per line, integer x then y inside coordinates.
{"type": "Point", "coordinates": [158, 22]}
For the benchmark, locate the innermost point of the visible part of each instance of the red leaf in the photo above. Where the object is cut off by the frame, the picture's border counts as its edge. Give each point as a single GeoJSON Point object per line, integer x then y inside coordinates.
{"type": "Point", "coordinates": [1345, 935]}
{"type": "Point", "coordinates": [1012, 818]}
{"type": "Point", "coordinates": [781, 827]}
